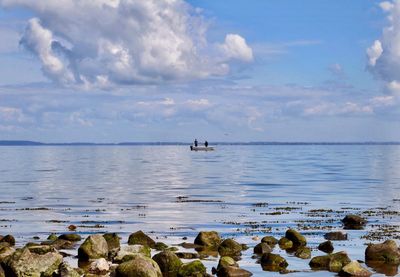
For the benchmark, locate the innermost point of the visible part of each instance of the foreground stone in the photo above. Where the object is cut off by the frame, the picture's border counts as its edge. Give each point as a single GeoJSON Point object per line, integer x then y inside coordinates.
{"type": "Point", "coordinates": [128, 252]}
{"type": "Point", "coordinates": [168, 262]}
{"type": "Point", "coordinates": [273, 262]}
{"type": "Point", "coordinates": [208, 239]}
{"type": "Point", "coordinates": [353, 222]}
{"type": "Point", "coordinates": [285, 244]}
{"type": "Point", "coordinates": [231, 271]}
{"type": "Point", "coordinates": [141, 238]}
{"type": "Point", "coordinates": [113, 243]}
{"type": "Point", "coordinates": [5, 252]}
{"type": "Point", "coordinates": [387, 252]}
{"type": "Point", "coordinates": [335, 236]}
{"type": "Point", "coordinates": [333, 262]}
{"type": "Point", "coordinates": [297, 238]}
{"type": "Point", "coordinates": [94, 247]}
{"type": "Point", "coordinates": [25, 263]}
{"type": "Point", "coordinates": [8, 239]}
{"type": "Point", "coordinates": [67, 271]}
{"type": "Point", "coordinates": [271, 241]}
{"type": "Point", "coordinates": [303, 253]}
{"type": "Point", "coordinates": [139, 266]}
{"type": "Point", "coordinates": [262, 248]}
{"type": "Point", "coordinates": [230, 248]}
{"type": "Point", "coordinates": [326, 247]}
{"type": "Point", "coordinates": [354, 269]}
{"type": "Point", "coordinates": [70, 237]}
{"type": "Point", "coordinates": [99, 267]}
{"type": "Point", "coordinates": [195, 268]}
{"type": "Point", "coordinates": [226, 261]}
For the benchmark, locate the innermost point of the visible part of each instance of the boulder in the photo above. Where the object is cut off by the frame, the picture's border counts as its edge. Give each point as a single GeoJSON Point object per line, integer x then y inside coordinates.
{"type": "Point", "coordinates": [187, 255]}
{"type": "Point", "coordinates": [60, 244]}
{"type": "Point", "coordinates": [232, 271]}
{"type": "Point", "coordinates": [326, 247]}
{"type": "Point", "coordinates": [226, 261]}
{"type": "Point", "coordinates": [113, 243]}
{"type": "Point", "coordinates": [354, 222]}
{"type": "Point", "coordinates": [297, 238]}
{"type": "Point", "coordinates": [262, 248]}
{"type": "Point", "coordinates": [208, 239]}
{"type": "Point", "coordinates": [67, 271]}
{"type": "Point", "coordinates": [94, 247]}
{"type": "Point", "coordinates": [271, 241]}
{"type": "Point", "coordinates": [2, 274]}
{"type": "Point", "coordinates": [273, 262]}
{"type": "Point", "coordinates": [335, 236]}
{"type": "Point", "coordinates": [141, 238]}
{"type": "Point", "coordinates": [303, 252]}
{"type": "Point", "coordinates": [41, 249]}
{"type": "Point", "coordinates": [229, 247]}
{"type": "Point", "coordinates": [52, 237]}
{"type": "Point", "coordinates": [354, 269]}
{"type": "Point", "coordinates": [9, 239]}
{"type": "Point", "coordinates": [99, 267]}
{"type": "Point", "coordinates": [24, 263]}
{"type": "Point", "coordinates": [160, 246]}
{"type": "Point", "coordinates": [195, 268]}
{"type": "Point", "coordinates": [332, 262]}
{"type": "Point", "coordinates": [70, 237]}
{"type": "Point", "coordinates": [168, 262]}
{"type": "Point", "coordinates": [387, 252]}
{"type": "Point", "coordinates": [128, 252]}
{"type": "Point", "coordinates": [285, 244]}
{"type": "Point", "coordinates": [139, 266]}
{"type": "Point", "coordinates": [5, 252]}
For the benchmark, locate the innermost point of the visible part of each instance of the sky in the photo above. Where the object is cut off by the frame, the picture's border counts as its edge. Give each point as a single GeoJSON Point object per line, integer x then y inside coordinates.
{"type": "Point", "coordinates": [175, 70]}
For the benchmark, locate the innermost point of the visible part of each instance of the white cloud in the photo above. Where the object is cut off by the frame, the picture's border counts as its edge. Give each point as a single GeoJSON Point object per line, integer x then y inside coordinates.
{"type": "Point", "coordinates": [106, 42]}
{"type": "Point", "coordinates": [334, 109]}
{"type": "Point", "coordinates": [14, 115]}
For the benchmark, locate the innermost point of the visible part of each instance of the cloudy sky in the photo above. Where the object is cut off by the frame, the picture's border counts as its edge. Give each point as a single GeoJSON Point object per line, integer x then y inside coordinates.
{"type": "Point", "coordinates": [174, 70]}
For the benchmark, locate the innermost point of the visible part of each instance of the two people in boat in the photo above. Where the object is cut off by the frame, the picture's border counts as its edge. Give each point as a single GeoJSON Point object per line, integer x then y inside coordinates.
{"type": "Point", "coordinates": [196, 143]}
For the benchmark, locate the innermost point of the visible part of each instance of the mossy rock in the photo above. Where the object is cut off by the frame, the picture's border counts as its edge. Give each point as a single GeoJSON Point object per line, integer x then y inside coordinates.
{"type": "Point", "coordinates": [226, 261]}
{"type": "Point", "coordinates": [208, 239]}
{"type": "Point", "coordinates": [297, 238]}
{"type": "Point", "coordinates": [320, 262]}
{"type": "Point", "coordinates": [273, 262]}
{"type": "Point", "coordinates": [2, 273]}
{"type": "Point", "coordinates": [6, 252]}
{"type": "Point", "coordinates": [335, 236]}
{"type": "Point", "coordinates": [41, 249]}
{"type": "Point", "coordinates": [303, 253]}
{"type": "Point", "coordinates": [285, 244]}
{"type": "Point", "coordinates": [66, 270]}
{"type": "Point", "coordinates": [229, 247]}
{"type": "Point", "coordinates": [354, 269]}
{"type": "Point", "coordinates": [326, 247]}
{"type": "Point", "coordinates": [113, 243]}
{"type": "Point", "coordinates": [94, 247]}
{"type": "Point", "coordinates": [271, 241]}
{"type": "Point", "coordinates": [141, 238]}
{"type": "Point", "coordinates": [60, 244]}
{"type": "Point", "coordinates": [9, 239]}
{"type": "Point", "coordinates": [52, 237]}
{"type": "Point", "coordinates": [354, 222]}
{"type": "Point", "coordinates": [262, 248]}
{"type": "Point", "coordinates": [332, 262]}
{"type": "Point", "coordinates": [168, 262]}
{"type": "Point", "coordinates": [232, 271]}
{"type": "Point", "coordinates": [160, 246]}
{"type": "Point", "coordinates": [139, 266]}
{"type": "Point", "coordinates": [387, 252]}
{"type": "Point", "coordinates": [129, 251]}
{"type": "Point", "coordinates": [192, 269]}
{"type": "Point", "coordinates": [70, 237]}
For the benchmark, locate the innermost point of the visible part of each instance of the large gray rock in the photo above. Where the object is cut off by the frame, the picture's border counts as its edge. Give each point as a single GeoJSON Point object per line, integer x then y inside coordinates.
{"type": "Point", "coordinates": [67, 271]}
{"type": "Point", "coordinates": [139, 266]}
{"type": "Point", "coordinates": [168, 262]}
{"type": "Point", "coordinates": [113, 242]}
{"type": "Point", "coordinates": [128, 252]}
{"type": "Point", "coordinates": [273, 262]}
{"type": "Point", "coordinates": [208, 239]}
{"type": "Point", "coordinates": [332, 262]}
{"type": "Point", "coordinates": [230, 248]}
{"type": "Point", "coordinates": [141, 238]}
{"type": "Point", "coordinates": [262, 248]}
{"type": "Point", "coordinates": [23, 263]}
{"type": "Point", "coordinates": [354, 222]}
{"type": "Point", "coordinates": [94, 247]}
{"type": "Point", "coordinates": [231, 271]}
{"type": "Point", "coordinates": [387, 252]}
{"type": "Point", "coordinates": [297, 238]}
{"type": "Point", "coordinates": [354, 269]}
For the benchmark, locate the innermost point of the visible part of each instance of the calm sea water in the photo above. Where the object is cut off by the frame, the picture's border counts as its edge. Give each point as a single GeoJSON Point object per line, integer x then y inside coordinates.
{"type": "Point", "coordinates": [172, 192]}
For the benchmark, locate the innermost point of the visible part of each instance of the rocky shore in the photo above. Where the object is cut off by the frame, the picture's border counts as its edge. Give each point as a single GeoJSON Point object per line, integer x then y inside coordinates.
{"type": "Point", "coordinates": [105, 255]}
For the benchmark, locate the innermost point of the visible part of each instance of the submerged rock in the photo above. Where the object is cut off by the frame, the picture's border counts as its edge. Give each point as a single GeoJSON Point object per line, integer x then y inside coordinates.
{"type": "Point", "coordinates": [208, 239]}
{"type": "Point", "coordinates": [354, 269]}
{"type": "Point", "coordinates": [168, 262]}
{"type": "Point", "coordinates": [195, 268]}
{"type": "Point", "coordinates": [139, 266]}
{"type": "Point", "coordinates": [94, 247]}
{"type": "Point", "coordinates": [273, 262]}
{"type": "Point", "coordinates": [271, 241]}
{"type": "Point", "coordinates": [326, 247]}
{"type": "Point", "coordinates": [354, 222]}
{"type": "Point", "coordinates": [303, 253]}
{"type": "Point", "coordinates": [262, 248]}
{"type": "Point", "coordinates": [335, 236]}
{"type": "Point", "coordinates": [141, 238]}
{"type": "Point", "coordinates": [285, 243]}
{"type": "Point", "coordinates": [229, 247]}
{"type": "Point", "coordinates": [332, 262]}
{"type": "Point", "coordinates": [129, 251]}
{"type": "Point", "coordinates": [297, 238]}
{"type": "Point", "coordinates": [70, 237]}
{"type": "Point", "coordinates": [387, 252]}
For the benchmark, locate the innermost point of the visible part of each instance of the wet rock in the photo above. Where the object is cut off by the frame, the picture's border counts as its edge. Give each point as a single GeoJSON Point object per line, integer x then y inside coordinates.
{"type": "Point", "coordinates": [9, 239]}
{"type": "Point", "coordinates": [5, 252]}
{"type": "Point", "coordinates": [2, 274]}
{"type": "Point", "coordinates": [113, 243]}
{"type": "Point", "coordinates": [160, 246]}
{"type": "Point", "coordinates": [72, 227]}
{"type": "Point", "coordinates": [141, 238]}
{"type": "Point", "coordinates": [67, 271]}
{"type": "Point", "coordinates": [353, 222]}
{"type": "Point", "coordinates": [99, 267]}
{"type": "Point", "coordinates": [226, 261]}
{"type": "Point", "coordinates": [231, 271]}
{"type": "Point", "coordinates": [172, 248]}
{"type": "Point", "coordinates": [128, 252]}
{"type": "Point", "coordinates": [70, 237]}
{"type": "Point", "coordinates": [94, 247]}
{"type": "Point", "coordinates": [297, 238]}
{"type": "Point", "coordinates": [60, 244]}
{"type": "Point", "coordinates": [354, 269]}
{"type": "Point", "coordinates": [303, 253]}
{"type": "Point", "coordinates": [285, 243]}
{"type": "Point", "coordinates": [188, 245]}
{"type": "Point", "coordinates": [168, 262]}
{"type": "Point", "coordinates": [273, 262]}
{"type": "Point", "coordinates": [262, 248]}
{"type": "Point", "coordinates": [24, 263]}
{"type": "Point", "coordinates": [326, 247]}
{"type": "Point", "coordinates": [244, 246]}
{"type": "Point", "coordinates": [139, 266]}
{"type": "Point", "coordinates": [332, 262]}
{"type": "Point", "coordinates": [195, 268]}
{"type": "Point", "coordinates": [387, 252]}
{"type": "Point", "coordinates": [187, 255]}
{"type": "Point", "coordinates": [384, 268]}
{"type": "Point", "coordinates": [271, 241]}
{"type": "Point", "coordinates": [335, 236]}
{"type": "Point", "coordinates": [41, 249]}
{"type": "Point", "coordinates": [208, 239]}
{"type": "Point", "coordinates": [229, 247]}
{"type": "Point", "coordinates": [52, 237]}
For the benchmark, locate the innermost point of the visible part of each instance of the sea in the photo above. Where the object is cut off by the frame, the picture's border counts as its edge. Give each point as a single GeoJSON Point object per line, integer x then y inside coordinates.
{"type": "Point", "coordinates": [243, 192]}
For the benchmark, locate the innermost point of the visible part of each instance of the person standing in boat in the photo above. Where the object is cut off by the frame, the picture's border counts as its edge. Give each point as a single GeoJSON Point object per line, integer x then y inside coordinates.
{"type": "Point", "coordinates": [206, 144]}
{"type": "Point", "coordinates": [195, 143]}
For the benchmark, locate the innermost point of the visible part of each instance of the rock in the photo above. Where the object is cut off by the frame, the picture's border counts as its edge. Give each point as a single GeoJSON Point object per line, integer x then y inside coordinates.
{"type": "Point", "coordinates": [353, 222]}
{"type": "Point", "coordinates": [70, 237]}
{"type": "Point", "coordinates": [262, 248]}
{"type": "Point", "coordinates": [168, 262]}
{"type": "Point", "coordinates": [187, 255]}
{"type": "Point", "coordinates": [9, 239]}
{"type": "Point", "coordinates": [332, 262]}
{"type": "Point", "coordinates": [160, 246]}
{"type": "Point", "coordinates": [335, 236]}
{"type": "Point", "coordinates": [387, 252]}
{"type": "Point", "coordinates": [139, 266]}
{"type": "Point", "coordinates": [24, 263]}
{"type": "Point", "coordinates": [72, 227]}
{"type": "Point", "coordinates": [67, 271]}
{"type": "Point", "coordinates": [273, 262]}
{"type": "Point", "coordinates": [2, 274]}
{"type": "Point", "coordinates": [326, 247]}
{"type": "Point", "coordinates": [271, 241]}
{"type": "Point", "coordinates": [60, 244]}
{"type": "Point", "coordinates": [52, 237]}
{"type": "Point", "coordinates": [229, 247]}
{"type": "Point", "coordinates": [99, 267]}
{"type": "Point", "coordinates": [5, 252]}
{"type": "Point", "coordinates": [232, 271]}
{"type": "Point", "coordinates": [113, 243]}
{"type": "Point", "coordinates": [41, 249]}
{"type": "Point", "coordinates": [141, 238]}
{"type": "Point", "coordinates": [188, 245]}
{"type": "Point", "coordinates": [94, 247]}
{"type": "Point", "coordinates": [303, 253]}
{"type": "Point", "coordinates": [284, 244]}
{"type": "Point", "coordinates": [244, 246]}
{"type": "Point", "coordinates": [226, 261]}
{"type": "Point", "coordinates": [195, 268]}
{"type": "Point", "coordinates": [295, 237]}
{"type": "Point", "coordinates": [354, 269]}
{"type": "Point", "coordinates": [208, 239]}
{"type": "Point", "coordinates": [127, 252]}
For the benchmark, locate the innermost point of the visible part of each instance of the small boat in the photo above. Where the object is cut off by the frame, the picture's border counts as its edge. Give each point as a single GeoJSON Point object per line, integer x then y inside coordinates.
{"type": "Point", "coordinates": [201, 148]}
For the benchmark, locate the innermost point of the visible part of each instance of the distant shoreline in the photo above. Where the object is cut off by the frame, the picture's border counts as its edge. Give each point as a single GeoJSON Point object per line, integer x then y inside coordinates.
{"type": "Point", "coordinates": [35, 143]}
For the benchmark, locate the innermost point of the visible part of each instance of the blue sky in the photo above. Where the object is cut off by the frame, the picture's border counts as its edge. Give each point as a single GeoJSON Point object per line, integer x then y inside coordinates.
{"type": "Point", "coordinates": [118, 70]}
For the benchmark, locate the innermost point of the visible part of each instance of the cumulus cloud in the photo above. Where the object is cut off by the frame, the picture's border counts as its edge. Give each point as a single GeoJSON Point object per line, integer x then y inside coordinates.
{"type": "Point", "coordinates": [106, 42]}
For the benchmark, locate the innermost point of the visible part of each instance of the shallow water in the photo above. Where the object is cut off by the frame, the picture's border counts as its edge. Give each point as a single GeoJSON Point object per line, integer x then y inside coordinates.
{"type": "Point", "coordinates": [170, 191]}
